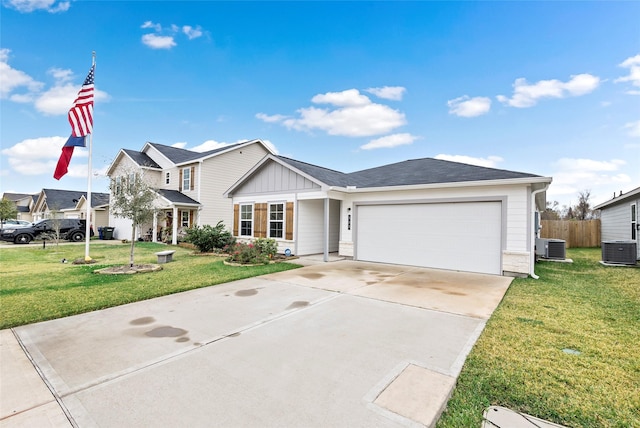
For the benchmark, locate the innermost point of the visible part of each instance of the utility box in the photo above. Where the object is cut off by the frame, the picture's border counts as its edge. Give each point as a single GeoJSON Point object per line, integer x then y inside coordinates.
{"type": "Point", "coordinates": [554, 249]}
{"type": "Point", "coordinates": [619, 252]}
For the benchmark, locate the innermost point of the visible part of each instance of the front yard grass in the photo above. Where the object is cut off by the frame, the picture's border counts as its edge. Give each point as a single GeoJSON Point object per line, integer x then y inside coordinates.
{"type": "Point", "coordinates": [37, 286]}
{"type": "Point", "coordinates": [525, 358]}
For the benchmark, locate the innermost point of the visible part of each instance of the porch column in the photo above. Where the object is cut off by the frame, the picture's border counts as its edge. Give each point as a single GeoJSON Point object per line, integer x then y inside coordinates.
{"type": "Point", "coordinates": [325, 234]}
{"type": "Point", "coordinates": [174, 234]}
{"type": "Point", "coordinates": [154, 231]}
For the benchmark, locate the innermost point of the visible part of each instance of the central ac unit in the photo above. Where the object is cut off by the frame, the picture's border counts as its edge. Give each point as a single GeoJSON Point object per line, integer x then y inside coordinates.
{"type": "Point", "coordinates": [619, 252]}
{"type": "Point", "coordinates": [551, 248]}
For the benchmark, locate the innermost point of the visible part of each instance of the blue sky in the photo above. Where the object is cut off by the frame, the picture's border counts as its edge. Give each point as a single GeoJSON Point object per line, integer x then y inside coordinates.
{"type": "Point", "coordinates": [550, 88]}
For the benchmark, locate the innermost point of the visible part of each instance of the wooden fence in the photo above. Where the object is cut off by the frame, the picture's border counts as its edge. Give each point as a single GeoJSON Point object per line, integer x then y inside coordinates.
{"type": "Point", "coordinates": [577, 233]}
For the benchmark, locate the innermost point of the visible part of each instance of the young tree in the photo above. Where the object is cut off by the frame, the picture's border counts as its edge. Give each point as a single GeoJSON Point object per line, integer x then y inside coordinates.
{"type": "Point", "coordinates": [8, 210]}
{"type": "Point", "coordinates": [551, 211]}
{"type": "Point", "coordinates": [582, 210]}
{"type": "Point", "coordinates": [133, 200]}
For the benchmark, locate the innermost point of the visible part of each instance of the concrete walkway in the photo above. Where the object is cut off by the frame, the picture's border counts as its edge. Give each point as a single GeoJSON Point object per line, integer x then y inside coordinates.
{"type": "Point", "coordinates": [342, 344]}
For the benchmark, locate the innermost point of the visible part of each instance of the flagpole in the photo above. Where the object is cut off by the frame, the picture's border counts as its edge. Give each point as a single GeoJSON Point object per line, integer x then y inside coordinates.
{"type": "Point", "coordinates": [87, 233]}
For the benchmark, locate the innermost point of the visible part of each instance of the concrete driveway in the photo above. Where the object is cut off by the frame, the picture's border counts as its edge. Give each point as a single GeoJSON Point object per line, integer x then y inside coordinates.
{"type": "Point", "coordinates": [341, 344]}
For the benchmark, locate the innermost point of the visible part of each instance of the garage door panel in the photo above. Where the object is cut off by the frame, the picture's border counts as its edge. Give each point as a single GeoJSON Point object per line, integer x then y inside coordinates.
{"type": "Point", "coordinates": [458, 236]}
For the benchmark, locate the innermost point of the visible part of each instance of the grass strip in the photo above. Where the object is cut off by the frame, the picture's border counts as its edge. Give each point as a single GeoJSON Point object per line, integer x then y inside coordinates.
{"type": "Point", "coordinates": [37, 286]}
{"type": "Point", "coordinates": [563, 348]}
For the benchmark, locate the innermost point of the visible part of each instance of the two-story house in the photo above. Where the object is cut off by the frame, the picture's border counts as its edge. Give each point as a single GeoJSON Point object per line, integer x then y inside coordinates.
{"type": "Point", "coordinates": [190, 185]}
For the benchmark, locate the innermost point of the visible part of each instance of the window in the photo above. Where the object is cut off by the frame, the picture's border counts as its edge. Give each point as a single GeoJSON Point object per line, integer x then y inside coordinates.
{"type": "Point", "coordinates": [186, 178]}
{"type": "Point", "coordinates": [118, 185]}
{"type": "Point", "coordinates": [246, 220]}
{"type": "Point", "coordinates": [634, 222]}
{"type": "Point", "coordinates": [184, 219]}
{"type": "Point", "coordinates": [131, 180]}
{"type": "Point", "coordinates": [167, 178]}
{"type": "Point", "coordinates": [276, 220]}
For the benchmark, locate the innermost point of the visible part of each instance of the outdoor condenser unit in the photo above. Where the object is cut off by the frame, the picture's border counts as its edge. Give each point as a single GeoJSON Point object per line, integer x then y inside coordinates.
{"type": "Point", "coordinates": [551, 248]}
{"type": "Point", "coordinates": [619, 252]}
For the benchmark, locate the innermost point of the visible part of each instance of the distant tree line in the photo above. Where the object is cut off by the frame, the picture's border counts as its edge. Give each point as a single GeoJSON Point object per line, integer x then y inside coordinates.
{"type": "Point", "coordinates": [582, 210]}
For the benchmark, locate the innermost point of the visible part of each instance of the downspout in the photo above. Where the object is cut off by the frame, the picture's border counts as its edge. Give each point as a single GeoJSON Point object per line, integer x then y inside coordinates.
{"type": "Point", "coordinates": [325, 235]}
{"type": "Point", "coordinates": [532, 248]}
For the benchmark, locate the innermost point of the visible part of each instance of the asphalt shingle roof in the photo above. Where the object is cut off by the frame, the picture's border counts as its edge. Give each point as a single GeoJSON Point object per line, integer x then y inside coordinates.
{"type": "Point", "coordinates": [68, 199]}
{"type": "Point", "coordinates": [410, 172]}
{"type": "Point", "coordinates": [141, 158]}
{"type": "Point", "coordinates": [176, 197]}
{"type": "Point", "coordinates": [177, 155]}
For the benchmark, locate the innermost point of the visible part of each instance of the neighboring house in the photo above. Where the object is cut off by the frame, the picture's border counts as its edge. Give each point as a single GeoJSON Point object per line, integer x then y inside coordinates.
{"type": "Point", "coordinates": [190, 185]}
{"type": "Point", "coordinates": [24, 204]}
{"type": "Point", "coordinates": [55, 203]}
{"type": "Point", "coordinates": [422, 212]}
{"type": "Point", "coordinates": [619, 218]}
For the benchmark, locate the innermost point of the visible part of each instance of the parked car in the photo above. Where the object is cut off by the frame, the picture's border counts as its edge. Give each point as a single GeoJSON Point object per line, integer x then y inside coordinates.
{"type": "Point", "coordinates": [14, 222]}
{"type": "Point", "coordinates": [69, 228]}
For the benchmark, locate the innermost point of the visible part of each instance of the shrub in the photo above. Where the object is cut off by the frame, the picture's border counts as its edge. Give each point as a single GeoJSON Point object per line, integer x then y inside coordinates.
{"type": "Point", "coordinates": [260, 251]}
{"type": "Point", "coordinates": [266, 246]}
{"type": "Point", "coordinates": [209, 238]}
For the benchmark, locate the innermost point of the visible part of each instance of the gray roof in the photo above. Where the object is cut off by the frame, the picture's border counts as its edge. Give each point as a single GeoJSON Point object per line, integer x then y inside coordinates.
{"type": "Point", "coordinates": [410, 172]}
{"type": "Point", "coordinates": [176, 197]}
{"type": "Point", "coordinates": [177, 155]}
{"type": "Point", "coordinates": [17, 196]}
{"type": "Point", "coordinates": [325, 175]}
{"type": "Point", "coordinates": [622, 197]}
{"type": "Point", "coordinates": [141, 158]}
{"type": "Point", "coordinates": [68, 199]}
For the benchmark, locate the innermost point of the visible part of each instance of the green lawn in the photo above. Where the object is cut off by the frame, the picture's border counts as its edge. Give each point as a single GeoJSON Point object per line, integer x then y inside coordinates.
{"type": "Point", "coordinates": [36, 286]}
{"type": "Point", "coordinates": [519, 361]}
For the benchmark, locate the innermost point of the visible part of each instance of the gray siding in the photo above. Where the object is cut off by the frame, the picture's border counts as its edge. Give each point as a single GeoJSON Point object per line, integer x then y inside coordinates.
{"type": "Point", "coordinates": [616, 222]}
{"type": "Point", "coordinates": [274, 177]}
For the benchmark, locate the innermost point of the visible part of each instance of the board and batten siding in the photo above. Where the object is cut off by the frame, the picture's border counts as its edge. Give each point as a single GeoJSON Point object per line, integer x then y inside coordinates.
{"type": "Point", "coordinates": [218, 174]}
{"type": "Point", "coordinates": [273, 177]}
{"type": "Point", "coordinates": [615, 222]}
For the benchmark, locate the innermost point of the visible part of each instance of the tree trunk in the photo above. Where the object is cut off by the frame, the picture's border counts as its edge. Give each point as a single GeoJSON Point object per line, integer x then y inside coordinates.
{"type": "Point", "coordinates": [133, 243]}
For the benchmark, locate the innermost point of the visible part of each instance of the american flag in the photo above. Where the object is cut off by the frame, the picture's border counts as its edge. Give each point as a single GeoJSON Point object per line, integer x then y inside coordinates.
{"type": "Point", "coordinates": [81, 121]}
{"type": "Point", "coordinates": [81, 114]}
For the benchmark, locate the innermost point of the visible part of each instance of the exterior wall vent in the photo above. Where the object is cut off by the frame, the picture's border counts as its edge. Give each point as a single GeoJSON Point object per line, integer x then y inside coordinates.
{"type": "Point", "coordinates": [551, 248]}
{"type": "Point", "coordinates": [619, 252]}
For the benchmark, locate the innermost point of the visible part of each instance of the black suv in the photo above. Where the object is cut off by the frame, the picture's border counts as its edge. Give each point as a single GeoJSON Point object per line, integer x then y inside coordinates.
{"type": "Point", "coordinates": [70, 228]}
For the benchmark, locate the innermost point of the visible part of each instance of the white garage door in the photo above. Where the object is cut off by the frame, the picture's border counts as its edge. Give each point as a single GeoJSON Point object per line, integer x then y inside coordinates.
{"type": "Point", "coordinates": [462, 236]}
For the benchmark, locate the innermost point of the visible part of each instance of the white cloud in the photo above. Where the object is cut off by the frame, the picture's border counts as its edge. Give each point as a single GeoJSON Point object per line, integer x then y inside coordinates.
{"type": "Point", "coordinates": [59, 98]}
{"type": "Point", "coordinates": [572, 175]}
{"type": "Point", "coordinates": [634, 128]}
{"type": "Point", "coordinates": [389, 141]}
{"type": "Point", "coordinates": [388, 92]}
{"type": "Point", "coordinates": [27, 6]}
{"type": "Point", "coordinates": [348, 98]}
{"type": "Point", "coordinates": [209, 145]}
{"type": "Point", "coordinates": [191, 32]}
{"type": "Point", "coordinates": [527, 95]}
{"type": "Point", "coordinates": [271, 118]}
{"type": "Point", "coordinates": [158, 42]}
{"type": "Point", "coordinates": [354, 116]}
{"type": "Point", "coordinates": [165, 38]}
{"type": "Point", "coordinates": [213, 144]}
{"type": "Point", "coordinates": [37, 156]}
{"type": "Point", "coordinates": [12, 80]}
{"type": "Point", "coordinates": [489, 162]}
{"type": "Point", "coordinates": [180, 145]}
{"type": "Point", "coordinates": [469, 107]}
{"type": "Point", "coordinates": [633, 64]}
{"type": "Point", "coordinates": [150, 24]}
